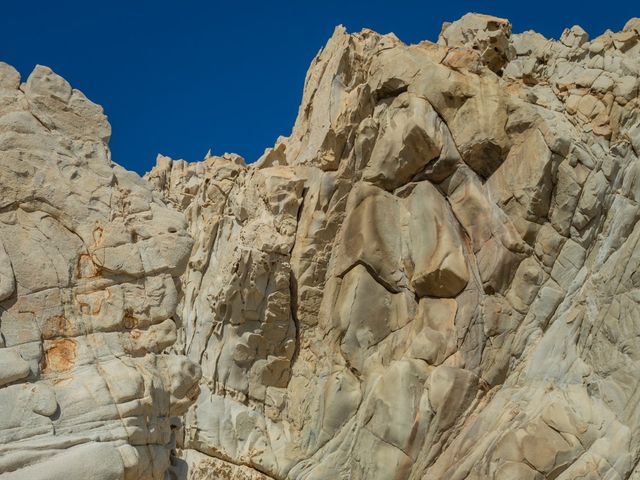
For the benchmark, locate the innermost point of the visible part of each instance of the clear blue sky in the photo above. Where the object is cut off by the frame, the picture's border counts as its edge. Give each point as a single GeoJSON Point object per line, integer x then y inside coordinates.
{"type": "Point", "coordinates": [180, 77]}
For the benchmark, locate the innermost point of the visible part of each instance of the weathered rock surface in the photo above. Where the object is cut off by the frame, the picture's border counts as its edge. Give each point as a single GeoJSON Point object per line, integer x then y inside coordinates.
{"type": "Point", "coordinates": [432, 277]}
{"type": "Point", "coordinates": [89, 259]}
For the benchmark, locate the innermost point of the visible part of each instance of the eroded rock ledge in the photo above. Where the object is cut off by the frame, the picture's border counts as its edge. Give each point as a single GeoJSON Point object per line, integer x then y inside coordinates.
{"type": "Point", "coordinates": [433, 276]}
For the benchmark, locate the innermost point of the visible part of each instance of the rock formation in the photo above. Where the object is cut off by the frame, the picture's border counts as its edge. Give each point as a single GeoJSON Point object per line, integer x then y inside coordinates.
{"type": "Point", "coordinates": [433, 277]}
{"type": "Point", "coordinates": [89, 260]}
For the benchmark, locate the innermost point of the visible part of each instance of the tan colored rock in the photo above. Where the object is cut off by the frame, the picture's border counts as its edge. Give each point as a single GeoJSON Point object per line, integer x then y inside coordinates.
{"type": "Point", "coordinates": [447, 223]}
{"type": "Point", "coordinates": [436, 245]}
{"type": "Point", "coordinates": [433, 276]}
{"type": "Point", "coordinates": [487, 35]}
{"type": "Point", "coordinates": [407, 141]}
{"type": "Point", "coordinates": [574, 37]}
{"type": "Point", "coordinates": [89, 259]}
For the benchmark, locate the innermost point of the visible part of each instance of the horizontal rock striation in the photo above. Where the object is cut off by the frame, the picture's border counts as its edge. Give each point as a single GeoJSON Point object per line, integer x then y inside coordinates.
{"type": "Point", "coordinates": [432, 277]}
{"type": "Point", "coordinates": [89, 260]}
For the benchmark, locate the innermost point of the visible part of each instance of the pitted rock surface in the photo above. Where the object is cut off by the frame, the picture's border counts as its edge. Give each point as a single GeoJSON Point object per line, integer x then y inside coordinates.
{"type": "Point", "coordinates": [434, 275]}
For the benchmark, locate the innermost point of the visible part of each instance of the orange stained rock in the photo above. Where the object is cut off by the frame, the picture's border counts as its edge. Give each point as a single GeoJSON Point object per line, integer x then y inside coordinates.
{"type": "Point", "coordinates": [60, 355]}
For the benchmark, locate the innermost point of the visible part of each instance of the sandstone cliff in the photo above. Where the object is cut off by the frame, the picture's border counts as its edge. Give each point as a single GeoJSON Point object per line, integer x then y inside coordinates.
{"type": "Point", "coordinates": [433, 277]}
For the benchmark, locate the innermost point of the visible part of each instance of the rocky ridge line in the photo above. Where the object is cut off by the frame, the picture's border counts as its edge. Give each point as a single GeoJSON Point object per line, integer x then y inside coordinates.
{"type": "Point", "coordinates": [433, 276]}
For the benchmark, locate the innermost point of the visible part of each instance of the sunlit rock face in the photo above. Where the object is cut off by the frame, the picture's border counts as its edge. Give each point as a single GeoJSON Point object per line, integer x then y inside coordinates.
{"type": "Point", "coordinates": [89, 259]}
{"type": "Point", "coordinates": [433, 277]}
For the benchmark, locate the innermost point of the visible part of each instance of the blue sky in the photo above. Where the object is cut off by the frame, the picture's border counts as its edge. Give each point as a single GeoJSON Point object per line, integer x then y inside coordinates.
{"type": "Point", "coordinates": [180, 77]}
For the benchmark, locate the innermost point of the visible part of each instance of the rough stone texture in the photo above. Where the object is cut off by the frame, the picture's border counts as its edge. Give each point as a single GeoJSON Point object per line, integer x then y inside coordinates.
{"type": "Point", "coordinates": [89, 259]}
{"type": "Point", "coordinates": [434, 276]}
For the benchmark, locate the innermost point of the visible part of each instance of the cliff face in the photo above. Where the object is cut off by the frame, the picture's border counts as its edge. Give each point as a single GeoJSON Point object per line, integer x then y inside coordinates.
{"type": "Point", "coordinates": [89, 259]}
{"type": "Point", "coordinates": [434, 276]}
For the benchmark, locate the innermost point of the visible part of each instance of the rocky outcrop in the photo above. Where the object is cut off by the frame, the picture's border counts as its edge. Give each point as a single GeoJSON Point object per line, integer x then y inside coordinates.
{"type": "Point", "coordinates": [433, 276]}
{"type": "Point", "coordinates": [89, 260]}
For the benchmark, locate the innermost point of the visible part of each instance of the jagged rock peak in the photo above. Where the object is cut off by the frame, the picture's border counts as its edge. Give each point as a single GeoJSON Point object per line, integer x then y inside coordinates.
{"type": "Point", "coordinates": [90, 258]}
{"type": "Point", "coordinates": [432, 276]}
